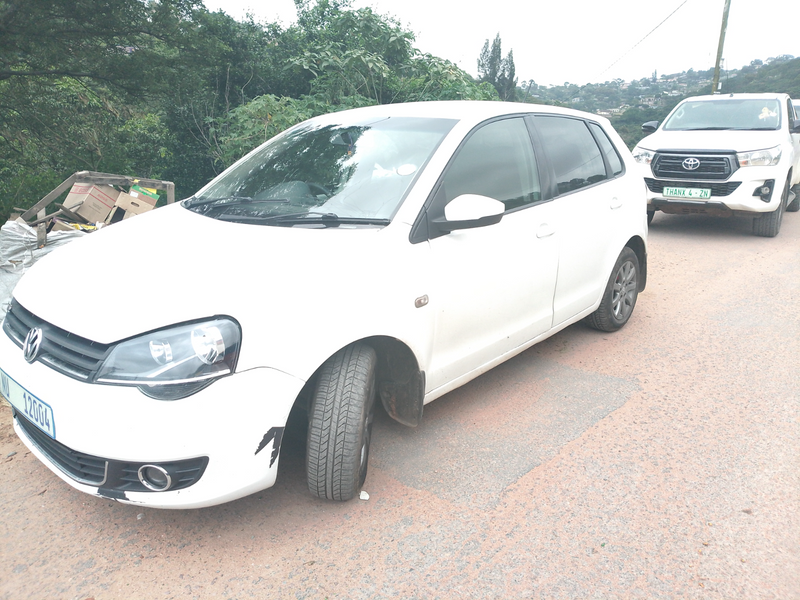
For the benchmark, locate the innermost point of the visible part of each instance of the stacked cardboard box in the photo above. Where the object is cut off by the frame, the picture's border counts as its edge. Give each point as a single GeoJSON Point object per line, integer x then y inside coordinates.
{"type": "Point", "coordinates": [135, 202]}
{"type": "Point", "coordinates": [89, 206]}
{"type": "Point", "coordinates": [92, 202]}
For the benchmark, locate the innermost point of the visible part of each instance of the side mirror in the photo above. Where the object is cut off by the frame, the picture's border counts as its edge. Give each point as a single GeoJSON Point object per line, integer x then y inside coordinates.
{"type": "Point", "coordinates": [650, 126]}
{"type": "Point", "coordinates": [469, 211]}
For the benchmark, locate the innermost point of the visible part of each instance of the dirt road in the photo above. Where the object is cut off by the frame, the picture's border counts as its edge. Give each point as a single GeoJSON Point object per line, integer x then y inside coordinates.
{"type": "Point", "coordinates": [662, 461]}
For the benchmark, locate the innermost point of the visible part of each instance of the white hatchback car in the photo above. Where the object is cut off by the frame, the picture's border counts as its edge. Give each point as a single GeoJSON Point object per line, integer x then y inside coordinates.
{"type": "Point", "coordinates": [393, 252]}
{"type": "Point", "coordinates": [725, 155]}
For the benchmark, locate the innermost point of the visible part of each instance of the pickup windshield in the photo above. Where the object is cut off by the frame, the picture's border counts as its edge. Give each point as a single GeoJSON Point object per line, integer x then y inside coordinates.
{"type": "Point", "coordinates": [725, 113]}
{"type": "Point", "coordinates": [353, 174]}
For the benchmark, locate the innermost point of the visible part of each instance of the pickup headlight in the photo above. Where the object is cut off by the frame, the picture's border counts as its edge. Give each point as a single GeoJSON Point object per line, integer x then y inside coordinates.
{"type": "Point", "coordinates": [176, 362]}
{"type": "Point", "coordinates": [643, 156]}
{"type": "Point", "coordinates": [759, 158]}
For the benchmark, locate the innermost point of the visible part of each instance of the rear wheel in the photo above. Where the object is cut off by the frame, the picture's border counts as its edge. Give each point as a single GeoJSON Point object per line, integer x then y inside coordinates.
{"type": "Point", "coordinates": [769, 224]}
{"type": "Point", "coordinates": [650, 215]}
{"type": "Point", "coordinates": [620, 294]}
{"type": "Point", "coordinates": [340, 423]}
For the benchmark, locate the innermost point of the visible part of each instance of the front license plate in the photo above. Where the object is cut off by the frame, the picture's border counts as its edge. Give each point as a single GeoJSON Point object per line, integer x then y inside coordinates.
{"type": "Point", "coordinates": [678, 192]}
{"type": "Point", "coordinates": [35, 410]}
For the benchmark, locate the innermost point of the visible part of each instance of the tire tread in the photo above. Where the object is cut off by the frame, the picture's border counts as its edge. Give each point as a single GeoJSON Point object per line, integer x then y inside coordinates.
{"type": "Point", "coordinates": [335, 421]}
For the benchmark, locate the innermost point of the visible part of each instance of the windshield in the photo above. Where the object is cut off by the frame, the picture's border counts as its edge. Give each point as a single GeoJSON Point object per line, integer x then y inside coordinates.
{"type": "Point", "coordinates": [725, 113]}
{"type": "Point", "coordinates": [326, 175]}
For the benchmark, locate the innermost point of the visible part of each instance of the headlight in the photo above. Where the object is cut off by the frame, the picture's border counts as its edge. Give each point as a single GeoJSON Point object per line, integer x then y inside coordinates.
{"type": "Point", "coordinates": [760, 158]}
{"type": "Point", "coordinates": [643, 156]}
{"type": "Point", "coordinates": [175, 362]}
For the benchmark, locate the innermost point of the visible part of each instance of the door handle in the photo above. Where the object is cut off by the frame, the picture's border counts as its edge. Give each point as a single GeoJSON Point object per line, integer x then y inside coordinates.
{"type": "Point", "coordinates": [544, 231]}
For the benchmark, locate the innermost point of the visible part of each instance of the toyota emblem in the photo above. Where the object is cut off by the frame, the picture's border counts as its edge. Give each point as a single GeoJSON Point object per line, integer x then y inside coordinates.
{"type": "Point", "coordinates": [691, 164]}
{"type": "Point", "coordinates": [33, 342]}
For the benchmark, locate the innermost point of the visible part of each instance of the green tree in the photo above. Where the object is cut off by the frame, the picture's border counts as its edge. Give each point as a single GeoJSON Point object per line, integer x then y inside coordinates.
{"type": "Point", "coordinates": [498, 71]}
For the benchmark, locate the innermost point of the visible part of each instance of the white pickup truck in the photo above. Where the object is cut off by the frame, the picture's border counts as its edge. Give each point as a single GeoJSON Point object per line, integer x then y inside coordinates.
{"type": "Point", "coordinates": [725, 155]}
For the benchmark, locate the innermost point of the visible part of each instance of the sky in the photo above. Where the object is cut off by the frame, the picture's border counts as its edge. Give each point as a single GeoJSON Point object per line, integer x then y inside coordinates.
{"type": "Point", "coordinates": [580, 41]}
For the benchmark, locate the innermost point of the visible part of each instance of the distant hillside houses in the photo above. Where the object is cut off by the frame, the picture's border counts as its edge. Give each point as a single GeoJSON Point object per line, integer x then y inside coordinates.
{"type": "Point", "coordinates": [612, 98]}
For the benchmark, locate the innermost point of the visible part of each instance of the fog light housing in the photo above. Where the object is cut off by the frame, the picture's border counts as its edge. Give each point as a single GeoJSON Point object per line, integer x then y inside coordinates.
{"type": "Point", "coordinates": [155, 478]}
{"type": "Point", "coordinates": [764, 191]}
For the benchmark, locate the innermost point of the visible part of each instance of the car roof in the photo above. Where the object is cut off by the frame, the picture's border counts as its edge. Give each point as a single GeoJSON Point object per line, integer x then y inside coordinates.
{"type": "Point", "coordinates": [462, 110]}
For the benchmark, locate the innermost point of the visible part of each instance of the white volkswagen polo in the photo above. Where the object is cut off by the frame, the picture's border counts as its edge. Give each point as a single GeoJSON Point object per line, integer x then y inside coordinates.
{"type": "Point", "coordinates": [388, 254]}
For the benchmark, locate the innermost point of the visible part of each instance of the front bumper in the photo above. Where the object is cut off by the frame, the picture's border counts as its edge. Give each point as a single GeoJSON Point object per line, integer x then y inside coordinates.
{"type": "Point", "coordinates": [736, 196]}
{"type": "Point", "coordinates": [232, 429]}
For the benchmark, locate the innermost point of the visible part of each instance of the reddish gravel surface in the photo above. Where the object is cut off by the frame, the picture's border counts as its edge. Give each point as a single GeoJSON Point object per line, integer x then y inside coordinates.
{"type": "Point", "coordinates": [662, 461]}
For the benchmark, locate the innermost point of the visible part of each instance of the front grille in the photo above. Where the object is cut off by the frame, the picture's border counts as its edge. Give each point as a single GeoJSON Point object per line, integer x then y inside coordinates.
{"type": "Point", "coordinates": [711, 166]}
{"type": "Point", "coordinates": [65, 352]}
{"type": "Point", "coordinates": [112, 475]}
{"type": "Point", "coordinates": [717, 189]}
{"type": "Point", "coordinates": [84, 468]}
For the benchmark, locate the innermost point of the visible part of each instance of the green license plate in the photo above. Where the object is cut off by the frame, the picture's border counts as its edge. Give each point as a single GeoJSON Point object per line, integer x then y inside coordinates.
{"type": "Point", "coordinates": [694, 193]}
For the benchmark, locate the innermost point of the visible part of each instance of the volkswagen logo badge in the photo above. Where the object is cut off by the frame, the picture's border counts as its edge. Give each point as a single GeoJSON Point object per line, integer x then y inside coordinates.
{"type": "Point", "coordinates": [691, 164]}
{"type": "Point", "coordinates": [33, 342]}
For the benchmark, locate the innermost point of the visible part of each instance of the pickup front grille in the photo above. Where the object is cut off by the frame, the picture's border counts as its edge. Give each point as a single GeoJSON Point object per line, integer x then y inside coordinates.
{"type": "Point", "coordinates": [65, 352]}
{"type": "Point", "coordinates": [707, 166]}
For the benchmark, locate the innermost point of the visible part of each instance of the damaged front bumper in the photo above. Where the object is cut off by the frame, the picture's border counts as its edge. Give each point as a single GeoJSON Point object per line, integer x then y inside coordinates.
{"type": "Point", "coordinates": [217, 445]}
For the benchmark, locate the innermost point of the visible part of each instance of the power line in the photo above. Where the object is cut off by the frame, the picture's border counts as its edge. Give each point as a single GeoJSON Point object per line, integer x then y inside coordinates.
{"type": "Point", "coordinates": [643, 39]}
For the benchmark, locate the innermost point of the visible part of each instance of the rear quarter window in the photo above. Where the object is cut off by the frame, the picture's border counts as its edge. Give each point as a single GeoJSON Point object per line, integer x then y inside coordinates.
{"type": "Point", "coordinates": [609, 152]}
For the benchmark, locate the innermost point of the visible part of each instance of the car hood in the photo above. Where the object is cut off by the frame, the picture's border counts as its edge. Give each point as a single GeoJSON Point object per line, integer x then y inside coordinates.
{"type": "Point", "coordinates": [172, 265]}
{"type": "Point", "coordinates": [731, 141]}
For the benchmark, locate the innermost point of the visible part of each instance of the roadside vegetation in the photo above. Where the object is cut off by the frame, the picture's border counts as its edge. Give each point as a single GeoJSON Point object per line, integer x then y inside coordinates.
{"type": "Point", "coordinates": [168, 90]}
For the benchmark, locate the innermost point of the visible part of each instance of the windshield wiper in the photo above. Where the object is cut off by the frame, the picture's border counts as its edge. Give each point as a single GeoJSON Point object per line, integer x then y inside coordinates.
{"type": "Point", "coordinates": [192, 202]}
{"type": "Point", "coordinates": [325, 219]}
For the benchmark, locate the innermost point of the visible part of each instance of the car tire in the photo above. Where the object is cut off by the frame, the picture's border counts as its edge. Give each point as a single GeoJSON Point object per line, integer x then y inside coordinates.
{"type": "Point", "coordinates": [769, 224]}
{"type": "Point", "coordinates": [619, 297]}
{"type": "Point", "coordinates": [340, 423]}
{"type": "Point", "coordinates": [650, 215]}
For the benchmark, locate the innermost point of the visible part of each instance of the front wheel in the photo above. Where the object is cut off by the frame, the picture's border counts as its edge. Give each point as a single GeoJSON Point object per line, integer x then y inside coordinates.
{"type": "Point", "coordinates": [769, 224]}
{"type": "Point", "coordinates": [340, 423]}
{"type": "Point", "coordinates": [620, 294]}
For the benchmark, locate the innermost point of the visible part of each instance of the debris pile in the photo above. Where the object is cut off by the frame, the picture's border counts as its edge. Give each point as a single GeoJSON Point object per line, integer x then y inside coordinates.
{"type": "Point", "coordinates": [94, 200]}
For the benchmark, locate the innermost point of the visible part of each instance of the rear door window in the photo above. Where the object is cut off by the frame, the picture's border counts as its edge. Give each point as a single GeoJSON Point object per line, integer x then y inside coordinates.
{"type": "Point", "coordinates": [573, 153]}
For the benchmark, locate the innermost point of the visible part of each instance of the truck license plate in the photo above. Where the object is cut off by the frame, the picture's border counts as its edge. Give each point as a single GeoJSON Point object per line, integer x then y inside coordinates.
{"type": "Point", "coordinates": [694, 193]}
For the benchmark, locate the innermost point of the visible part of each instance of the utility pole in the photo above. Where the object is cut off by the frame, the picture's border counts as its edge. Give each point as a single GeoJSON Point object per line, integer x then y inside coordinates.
{"type": "Point", "coordinates": [715, 83]}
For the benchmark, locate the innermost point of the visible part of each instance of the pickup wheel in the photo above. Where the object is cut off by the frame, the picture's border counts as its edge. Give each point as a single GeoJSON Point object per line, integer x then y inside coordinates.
{"type": "Point", "coordinates": [620, 294]}
{"type": "Point", "coordinates": [769, 224]}
{"type": "Point", "coordinates": [340, 423]}
{"type": "Point", "coordinates": [650, 215]}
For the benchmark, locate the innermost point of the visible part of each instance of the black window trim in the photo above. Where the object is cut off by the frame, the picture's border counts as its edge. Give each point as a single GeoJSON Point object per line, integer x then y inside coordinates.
{"type": "Point", "coordinates": [420, 232]}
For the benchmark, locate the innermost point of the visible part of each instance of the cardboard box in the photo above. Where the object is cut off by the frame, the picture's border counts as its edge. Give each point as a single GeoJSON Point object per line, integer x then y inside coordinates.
{"type": "Point", "coordinates": [92, 202]}
{"type": "Point", "coordinates": [61, 225]}
{"type": "Point", "coordinates": [127, 206]}
{"type": "Point", "coordinates": [144, 194]}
